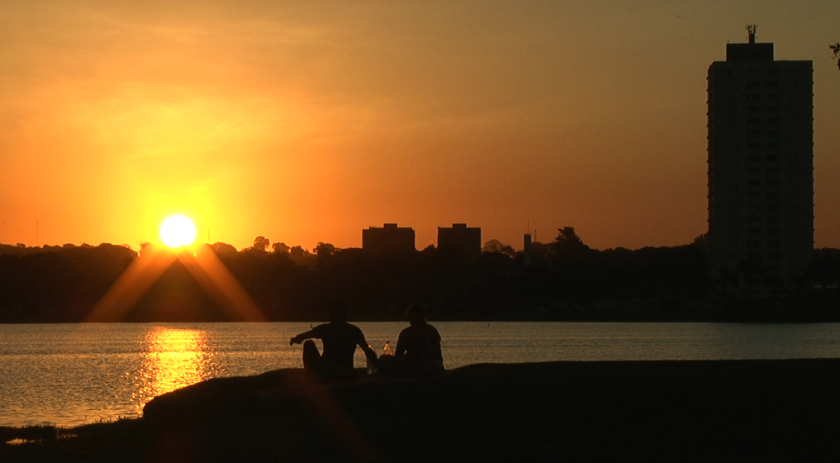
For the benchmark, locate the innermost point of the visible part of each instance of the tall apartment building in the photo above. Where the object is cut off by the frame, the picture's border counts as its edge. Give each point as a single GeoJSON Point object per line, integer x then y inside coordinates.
{"type": "Point", "coordinates": [388, 239]}
{"type": "Point", "coordinates": [461, 238]}
{"type": "Point", "coordinates": [761, 168]}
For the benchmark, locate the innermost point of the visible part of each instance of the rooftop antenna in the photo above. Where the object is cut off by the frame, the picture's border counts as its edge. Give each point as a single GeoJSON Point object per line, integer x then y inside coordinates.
{"type": "Point", "coordinates": [751, 28]}
{"type": "Point", "coordinates": [836, 49]}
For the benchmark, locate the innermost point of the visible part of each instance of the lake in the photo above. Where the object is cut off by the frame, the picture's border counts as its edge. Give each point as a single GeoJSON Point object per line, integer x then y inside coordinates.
{"type": "Point", "coordinates": [72, 374]}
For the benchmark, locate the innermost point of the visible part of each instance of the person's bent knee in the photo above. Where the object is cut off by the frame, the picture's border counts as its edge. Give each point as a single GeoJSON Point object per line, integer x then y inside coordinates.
{"type": "Point", "coordinates": [311, 356]}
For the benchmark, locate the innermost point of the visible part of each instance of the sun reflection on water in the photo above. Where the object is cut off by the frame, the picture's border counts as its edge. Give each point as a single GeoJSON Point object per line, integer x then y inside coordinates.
{"type": "Point", "coordinates": [174, 358]}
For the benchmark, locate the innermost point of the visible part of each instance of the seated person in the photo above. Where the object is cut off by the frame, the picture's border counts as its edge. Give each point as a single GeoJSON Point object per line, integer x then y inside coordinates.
{"type": "Point", "coordinates": [340, 340]}
{"type": "Point", "coordinates": [418, 348]}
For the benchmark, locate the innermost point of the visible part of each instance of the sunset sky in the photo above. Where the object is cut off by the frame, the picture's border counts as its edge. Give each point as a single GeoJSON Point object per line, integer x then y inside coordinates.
{"type": "Point", "coordinates": [307, 121]}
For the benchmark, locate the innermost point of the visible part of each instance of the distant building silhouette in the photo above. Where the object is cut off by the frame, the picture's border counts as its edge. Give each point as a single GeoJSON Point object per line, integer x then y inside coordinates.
{"type": "Point", "coordinates": [467, 240]}
{"type": "Point", "coordinates": [760, 167]}
{"type": "Point", "coordinates": [526, 250]}
{"type": "Point", "coordinates": [389, 239]}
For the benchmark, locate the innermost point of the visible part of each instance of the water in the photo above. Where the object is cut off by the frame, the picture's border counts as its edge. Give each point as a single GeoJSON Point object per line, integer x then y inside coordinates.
{"type": "Point", "coordinates": [75, 374]}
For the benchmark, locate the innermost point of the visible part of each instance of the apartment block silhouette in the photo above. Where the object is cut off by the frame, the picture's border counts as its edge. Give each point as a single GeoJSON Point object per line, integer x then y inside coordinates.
{"type": "Point", "coordinates": [760, 169]}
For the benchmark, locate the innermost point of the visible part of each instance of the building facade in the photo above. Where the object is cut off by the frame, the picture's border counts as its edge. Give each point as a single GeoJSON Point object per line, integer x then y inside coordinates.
{"type": "Point", "coordinates": [388, 239]}
{"type": "Point", "coordinates": [760, 169]}
{"type": "Point", "coordinates": [462, 239]}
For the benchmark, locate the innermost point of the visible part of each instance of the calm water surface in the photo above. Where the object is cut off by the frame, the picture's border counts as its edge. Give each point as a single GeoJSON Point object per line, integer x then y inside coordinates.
{"type": "Point", "coordinates": [74, 374]}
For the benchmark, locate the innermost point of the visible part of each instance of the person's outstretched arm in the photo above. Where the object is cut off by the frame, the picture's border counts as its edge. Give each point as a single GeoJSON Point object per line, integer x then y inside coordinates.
{"type": "Point", "coordinates": [302, 337]}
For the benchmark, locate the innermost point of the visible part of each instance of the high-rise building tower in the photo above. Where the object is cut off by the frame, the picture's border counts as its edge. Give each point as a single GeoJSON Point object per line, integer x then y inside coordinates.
{"type": "Point", "coordinates": [389, 239]}
{"type": "Point", "coordinates": [761, 169]}
{"type": "Point", "coordinates": [461, 239]}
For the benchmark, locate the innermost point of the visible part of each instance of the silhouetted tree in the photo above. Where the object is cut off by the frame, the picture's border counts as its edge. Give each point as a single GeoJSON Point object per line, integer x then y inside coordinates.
{"type": "Point", "coordinates": [323, 250]}
{"type": "Point", "coordinates": [223, 249]}
{"type": "Point", "coordinates": [280, 248]}
{"type": "Point", "coordinates": [701, 243]}
{"type": "Point", "coordinates": [497, 246]}
{"type": "Point", "coordinates": [261, 243]}
{"type": "Point", "coordinates": [300, 256]}
{"type": "Point", "coordinates": [836, 49]}
{"type": "Point", "coordinates": [569, 243]}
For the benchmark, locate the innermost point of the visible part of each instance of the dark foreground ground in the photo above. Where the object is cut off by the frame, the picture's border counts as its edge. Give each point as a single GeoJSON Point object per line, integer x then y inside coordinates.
{"type": "Point", "coordinates": [567, 411]}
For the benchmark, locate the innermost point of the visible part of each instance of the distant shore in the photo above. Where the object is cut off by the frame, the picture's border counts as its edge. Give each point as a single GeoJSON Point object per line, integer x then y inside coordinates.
{"type": "Point", "coordinates": [737, 310]}
{"type": "Point", "coordinates": [748, 410]}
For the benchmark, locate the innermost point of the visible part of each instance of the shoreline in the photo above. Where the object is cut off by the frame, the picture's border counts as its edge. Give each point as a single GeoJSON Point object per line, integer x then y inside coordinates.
{"type": "Point", "coordinates": [732, 410]}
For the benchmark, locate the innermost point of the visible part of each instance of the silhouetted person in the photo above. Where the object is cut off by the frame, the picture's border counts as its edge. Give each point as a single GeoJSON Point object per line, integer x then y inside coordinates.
{"type": "Point", "coordinates": [340, 340]}
{"type": "Point", "coordinates": [418, 348]}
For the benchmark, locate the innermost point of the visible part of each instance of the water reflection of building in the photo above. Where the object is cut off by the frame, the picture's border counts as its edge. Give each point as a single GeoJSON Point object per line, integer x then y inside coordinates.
{"type": "Point", "coordinates": [760, 166]}
{"type": "Point", "coordinates": [460, 239]}
{"type": "Point", "coordinates": [388, 239]}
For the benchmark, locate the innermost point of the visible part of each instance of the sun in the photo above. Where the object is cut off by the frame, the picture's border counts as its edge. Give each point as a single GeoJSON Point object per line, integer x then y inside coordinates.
{"type": "Point", "coordinates": [177, 231]}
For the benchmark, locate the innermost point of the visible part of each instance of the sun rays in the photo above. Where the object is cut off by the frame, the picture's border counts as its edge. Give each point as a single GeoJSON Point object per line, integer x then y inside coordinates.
{"type": "Point", "coordinates": [177, 232]}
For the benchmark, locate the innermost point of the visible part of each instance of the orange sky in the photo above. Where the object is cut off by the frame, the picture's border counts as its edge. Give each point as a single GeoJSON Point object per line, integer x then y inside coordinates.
{"type": "Point", "coordinates": [310, 121]}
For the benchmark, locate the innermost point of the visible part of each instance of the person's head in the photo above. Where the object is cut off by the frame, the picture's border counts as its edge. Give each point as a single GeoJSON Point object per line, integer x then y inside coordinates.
{"type": "Point", "coordinates": [416, 314]}
{"type": "Point", "coordinates": [337, 312]}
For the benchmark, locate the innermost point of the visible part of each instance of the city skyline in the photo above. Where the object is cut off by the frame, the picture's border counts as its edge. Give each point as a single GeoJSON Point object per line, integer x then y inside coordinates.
{"type": "Point", "coordinates": [309, 123]}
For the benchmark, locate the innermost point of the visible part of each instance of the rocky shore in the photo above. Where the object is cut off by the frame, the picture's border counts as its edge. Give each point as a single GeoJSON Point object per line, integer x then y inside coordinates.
{"type": "Point", "coordinates": [780, 410]}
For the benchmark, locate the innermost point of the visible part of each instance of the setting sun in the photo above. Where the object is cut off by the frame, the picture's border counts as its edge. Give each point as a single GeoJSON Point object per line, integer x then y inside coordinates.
{"type": "Point", "coordinates": [177, 231]}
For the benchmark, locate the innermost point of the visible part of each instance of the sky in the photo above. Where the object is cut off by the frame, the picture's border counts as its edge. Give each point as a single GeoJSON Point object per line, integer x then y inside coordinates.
{"type": "Point", "coordinates": [308, 121]}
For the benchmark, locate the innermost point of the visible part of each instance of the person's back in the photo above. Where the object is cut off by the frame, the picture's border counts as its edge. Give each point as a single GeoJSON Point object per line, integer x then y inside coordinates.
{"type": "Point", "coordinates": [420, 342]}
{"type": "Point", "coordinates": [340, 340]}
{"type": "Point", "coordinates": [418, 348]}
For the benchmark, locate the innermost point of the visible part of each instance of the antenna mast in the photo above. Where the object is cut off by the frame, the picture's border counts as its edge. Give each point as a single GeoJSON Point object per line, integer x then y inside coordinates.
{"type": "Point", "coordinates": [751, 29]}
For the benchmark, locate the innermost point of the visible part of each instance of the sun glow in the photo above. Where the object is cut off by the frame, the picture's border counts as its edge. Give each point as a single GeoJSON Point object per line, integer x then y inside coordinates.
{"type": "Point", "coordinates": [177, 231]}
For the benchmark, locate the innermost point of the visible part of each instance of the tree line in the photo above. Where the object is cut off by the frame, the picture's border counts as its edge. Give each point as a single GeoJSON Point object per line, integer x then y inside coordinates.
{"type": "Point", "coordinates": [565, 280]}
